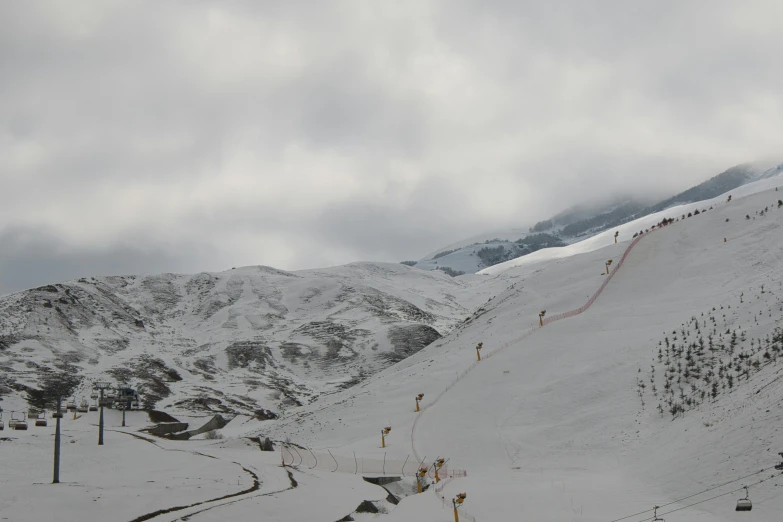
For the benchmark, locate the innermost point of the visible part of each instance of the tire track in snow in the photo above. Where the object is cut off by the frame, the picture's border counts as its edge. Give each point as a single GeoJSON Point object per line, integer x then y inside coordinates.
{"type": "Point", "coordinates": [294, 484]}
{"type": "Point", "coordinates": [255, 487]}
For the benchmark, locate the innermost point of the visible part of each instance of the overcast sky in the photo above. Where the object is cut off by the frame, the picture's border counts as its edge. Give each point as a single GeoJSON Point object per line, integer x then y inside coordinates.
{"type": "Point", "coordinates": [143, 137]}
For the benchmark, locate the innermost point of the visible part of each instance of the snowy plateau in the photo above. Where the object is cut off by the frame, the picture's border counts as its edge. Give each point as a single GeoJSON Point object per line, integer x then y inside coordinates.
{"type": "Point", "coordinates": [666, 391]}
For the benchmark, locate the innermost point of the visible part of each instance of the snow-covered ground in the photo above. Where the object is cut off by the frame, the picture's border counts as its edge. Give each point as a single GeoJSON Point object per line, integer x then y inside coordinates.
{"type": "Point", "coordinates": [551, 425]}
{"type": "Point", "coordinates": [135, 474]}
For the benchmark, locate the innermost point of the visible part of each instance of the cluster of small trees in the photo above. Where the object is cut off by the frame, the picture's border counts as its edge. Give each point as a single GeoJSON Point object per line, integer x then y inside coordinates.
{"type": "Point", "coordinates": [708, 356]}
{"type": "Point", "coordinates": [444, 253]}
{"type": "Point", "coordinates": [493, 255]}
{"type": "Point", "coordinates": [763, 211]}
{"type": "Point", "coordinates": [668, 221]}
{"type": "Point", "coordinates": [451, 271]}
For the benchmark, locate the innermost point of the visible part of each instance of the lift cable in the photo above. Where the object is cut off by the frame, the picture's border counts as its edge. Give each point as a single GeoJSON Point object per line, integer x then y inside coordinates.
{"type": "Point", "coordinates": [711, 498]}
{"type": "Point", "coordinates": [696, 494]}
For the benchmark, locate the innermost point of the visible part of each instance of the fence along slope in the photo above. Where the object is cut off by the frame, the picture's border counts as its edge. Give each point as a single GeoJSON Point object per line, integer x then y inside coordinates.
{"type": "Point", "coordinates": [592, 300]}
{"type": "Point", "coordinates": [527, 333]}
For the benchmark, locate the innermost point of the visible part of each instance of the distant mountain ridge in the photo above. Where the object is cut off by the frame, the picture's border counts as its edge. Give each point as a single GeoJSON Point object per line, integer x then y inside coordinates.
{"type": "Point", "coordinates": [580, 222]}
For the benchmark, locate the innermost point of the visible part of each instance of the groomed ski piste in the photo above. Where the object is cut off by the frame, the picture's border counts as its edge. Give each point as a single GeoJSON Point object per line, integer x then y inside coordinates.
{"type": "Point", "coordinates": [551, 425]}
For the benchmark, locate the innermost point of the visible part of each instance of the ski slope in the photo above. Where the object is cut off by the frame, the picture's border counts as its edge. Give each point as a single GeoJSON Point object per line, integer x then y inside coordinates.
{"type": "Point", "coordinates": [551, 424]}
{"type": "Point", "coordinates": [562, 435]}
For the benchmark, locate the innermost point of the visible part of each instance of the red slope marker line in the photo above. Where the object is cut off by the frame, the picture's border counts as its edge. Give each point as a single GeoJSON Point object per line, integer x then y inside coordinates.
{"type": "Point", "coordinates": [527, 333]}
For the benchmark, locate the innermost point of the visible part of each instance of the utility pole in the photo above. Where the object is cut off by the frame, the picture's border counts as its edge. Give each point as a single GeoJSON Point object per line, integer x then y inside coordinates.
{"type": "Point", "coordinates": [57, 415]}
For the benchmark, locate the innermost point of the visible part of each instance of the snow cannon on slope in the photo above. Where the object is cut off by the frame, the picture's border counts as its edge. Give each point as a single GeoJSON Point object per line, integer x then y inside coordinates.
{"type": "Point", "coordinates": [457, 503]}
{"type": "Point", "coordinates": [419, 397]}
{"type": "Point", "coordinates": [421, 477]}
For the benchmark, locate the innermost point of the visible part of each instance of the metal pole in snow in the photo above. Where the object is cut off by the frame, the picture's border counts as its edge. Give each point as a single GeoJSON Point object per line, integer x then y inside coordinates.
{"type": "Point", "coordinates": [100, 423]}
{"type": "Point", "coordinates": [56, 478]}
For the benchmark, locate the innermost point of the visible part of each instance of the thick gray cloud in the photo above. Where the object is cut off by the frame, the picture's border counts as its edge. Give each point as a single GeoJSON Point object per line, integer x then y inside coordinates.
{"type": "Point", "coordinates": [299, 134]}
{"type": "Point", "coordinates": [32, 257]}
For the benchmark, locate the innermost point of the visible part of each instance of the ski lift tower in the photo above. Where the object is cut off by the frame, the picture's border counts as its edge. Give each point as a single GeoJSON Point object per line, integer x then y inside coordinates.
{"type": "Point", "coordinates": [101, 386]}
{"type": "Point", "coordinates": [122, 406]}
{"type": "Point", "coordinates": [58, 414]}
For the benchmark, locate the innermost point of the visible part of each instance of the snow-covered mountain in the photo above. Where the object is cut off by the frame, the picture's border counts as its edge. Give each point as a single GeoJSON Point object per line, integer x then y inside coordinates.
{"type": "Point", "coordinates": [247, 340]}
{"type": "Point", "coordinates": [666, 392]}
{"type": "Point", "coordinates": [581, 222]}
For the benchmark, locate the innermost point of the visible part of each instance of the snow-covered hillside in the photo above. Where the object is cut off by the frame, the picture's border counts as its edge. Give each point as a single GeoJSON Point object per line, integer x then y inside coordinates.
{"type": "Point", "coordinates": [246, 340]}
{"type": "Point", "coordinates": [770, 180]}
{"type": "Point", "coordinates": [666, 391]}
{"type": "Point", "coordinates": [556, 426]}
{"type": "Point", "coordinates": [581, 223]}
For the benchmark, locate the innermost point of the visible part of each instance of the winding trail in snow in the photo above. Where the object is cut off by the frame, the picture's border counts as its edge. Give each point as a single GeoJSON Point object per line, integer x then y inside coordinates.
{"type": "Point", "coordinates": [149, 516]}
{"type": "Point", "coordinates": [249, 497]}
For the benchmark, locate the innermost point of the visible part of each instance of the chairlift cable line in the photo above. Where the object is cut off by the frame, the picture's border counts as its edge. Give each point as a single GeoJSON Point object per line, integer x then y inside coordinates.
{"type": "Point", "coordinates": [711, 498]}
{"type": "Point", "coordinates": [696, 494]}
